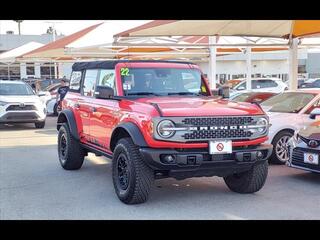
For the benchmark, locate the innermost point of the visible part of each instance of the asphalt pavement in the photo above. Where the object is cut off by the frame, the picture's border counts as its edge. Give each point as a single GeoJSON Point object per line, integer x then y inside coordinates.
{"type": "Point", "coordinates": [34, 186]}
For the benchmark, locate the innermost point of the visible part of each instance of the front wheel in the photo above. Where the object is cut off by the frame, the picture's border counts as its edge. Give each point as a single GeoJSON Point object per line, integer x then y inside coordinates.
{"type": "Point", "coordinates": [280, 153]}
{"type": "Point", "coordinates": [132, 177]}
{"type": "Point", "coordinates": [40, 124]}
{"type": "Point", "coordinates": [250, 181]}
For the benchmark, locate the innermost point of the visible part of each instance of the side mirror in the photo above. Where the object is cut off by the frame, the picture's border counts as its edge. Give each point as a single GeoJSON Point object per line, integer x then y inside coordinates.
{"type": "Point", "coordinates": [104, 92]}
{"type": "Point", "coordinates": [223, 91]}
{"type": "Point", "coordinates": [315, 112]}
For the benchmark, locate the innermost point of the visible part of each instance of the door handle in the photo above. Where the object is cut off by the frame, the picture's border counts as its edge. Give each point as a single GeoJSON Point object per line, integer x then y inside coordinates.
{"type": "Point", "coordinates": [77, 105]}
{"type": "Point", "coordinates": [93, 109]}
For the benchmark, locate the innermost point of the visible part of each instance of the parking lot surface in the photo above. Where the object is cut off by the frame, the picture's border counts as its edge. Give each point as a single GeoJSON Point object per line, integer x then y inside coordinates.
{"type": "Point", "coordinates": [34, 186]}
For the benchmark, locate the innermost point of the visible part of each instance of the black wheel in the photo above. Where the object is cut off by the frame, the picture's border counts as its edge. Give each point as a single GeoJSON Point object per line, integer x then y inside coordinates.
{"type": "Point", "coordinates": [71, 154]}
{"type": "Point", "coordinates": [280, 152]}
{"type": "Point", "coordinates": [250, 181]}
{"type": "Point", "coordinates": [132, 177]}
{"type": "Point", "coordinates": [40, 124]}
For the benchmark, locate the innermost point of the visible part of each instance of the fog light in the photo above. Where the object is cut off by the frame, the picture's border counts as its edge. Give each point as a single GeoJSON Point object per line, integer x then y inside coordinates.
{"type": "Point", "coordinates": [259, 155]}
{"type": "Point", "coordinates": [170, 159]}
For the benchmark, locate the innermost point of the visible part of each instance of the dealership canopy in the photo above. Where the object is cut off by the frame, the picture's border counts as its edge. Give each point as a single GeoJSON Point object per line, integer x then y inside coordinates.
{"type": "Point", "coordinates": [261, 28]}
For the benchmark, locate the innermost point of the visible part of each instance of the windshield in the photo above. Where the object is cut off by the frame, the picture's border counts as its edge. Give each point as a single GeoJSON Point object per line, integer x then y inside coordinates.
{"type": "Point", "coordinates": [288, 102]}
{"type": "Point", "coordinates": [15, 89]}
{"type": "Point", "coordinates": [162, 81]}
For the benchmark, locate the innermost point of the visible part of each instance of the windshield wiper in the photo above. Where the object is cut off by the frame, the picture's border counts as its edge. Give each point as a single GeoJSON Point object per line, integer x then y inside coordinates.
{"type": "Point", "coordinates": [185, 93]}
{"type": "Point", "coordinates": [143, 93]}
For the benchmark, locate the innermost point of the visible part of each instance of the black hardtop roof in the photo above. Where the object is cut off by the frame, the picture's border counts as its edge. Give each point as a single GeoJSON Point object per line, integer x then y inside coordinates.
{"type": "Point", "coordinates": [79, 66]}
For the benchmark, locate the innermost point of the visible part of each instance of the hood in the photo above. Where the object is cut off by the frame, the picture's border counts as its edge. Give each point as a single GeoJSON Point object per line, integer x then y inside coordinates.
{"type": "Point", "coordinates": [312, 131]}
{"type": "Point", "coordinates": [18, 99]}
{"type": "Point", "coordinates": [201, 106]}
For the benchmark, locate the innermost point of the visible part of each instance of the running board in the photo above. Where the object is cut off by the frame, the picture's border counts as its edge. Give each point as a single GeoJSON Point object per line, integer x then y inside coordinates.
{"type": "Point", "coordinates": [96, 151]}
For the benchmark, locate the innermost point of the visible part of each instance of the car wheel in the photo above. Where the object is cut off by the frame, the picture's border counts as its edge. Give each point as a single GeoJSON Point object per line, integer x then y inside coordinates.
{"type": "Point", "coordinates": [250, 181]}
{"type": "Point", "coordinates": [132, 177]}
{"type": "Point", "coordinates": [280, 152]}
{"type": "Point", "coordinates": [71, 154]}
{"type": "Point", "coordinates": [40, 124]}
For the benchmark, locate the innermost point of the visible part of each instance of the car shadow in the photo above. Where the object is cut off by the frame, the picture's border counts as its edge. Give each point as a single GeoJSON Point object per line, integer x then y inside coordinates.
{"type": "Point", "coordinates": [307, 177]}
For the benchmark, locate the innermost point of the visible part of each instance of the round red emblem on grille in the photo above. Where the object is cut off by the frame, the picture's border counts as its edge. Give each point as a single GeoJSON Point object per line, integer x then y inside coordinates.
{"type": "Point", "coordinates": [220, 147]}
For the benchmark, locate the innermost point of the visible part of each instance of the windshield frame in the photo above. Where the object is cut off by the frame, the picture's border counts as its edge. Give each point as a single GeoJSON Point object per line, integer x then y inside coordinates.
{"type": "Point", "coordinates": [25, 84]}
{"type": "Point", "coordinates": [156, 65]}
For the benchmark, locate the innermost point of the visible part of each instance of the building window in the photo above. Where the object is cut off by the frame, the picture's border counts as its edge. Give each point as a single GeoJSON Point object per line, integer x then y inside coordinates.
{"type": "Point", "coordinates": [30, 69]}
{"type": "Point", "coordinates": [9, 72]}
{"type": "Point", "coordinates": [47, 71]}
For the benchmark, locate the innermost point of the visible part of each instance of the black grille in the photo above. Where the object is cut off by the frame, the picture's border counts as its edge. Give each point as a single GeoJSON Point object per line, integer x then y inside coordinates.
{"type": "Point", "coordinates": [298, 156]}
{"type": "Point", "coordinates": [218, 133]}
{"type": "Point", "coordinates": [209, 134]}
{"type": "Point", "coordinates": [18, 108]}
{"type": "Point", "coordinates": [217, 121]}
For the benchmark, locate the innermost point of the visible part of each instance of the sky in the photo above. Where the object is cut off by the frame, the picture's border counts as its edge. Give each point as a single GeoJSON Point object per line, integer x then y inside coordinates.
{"type": "Point", "coordinates": [65, 27]}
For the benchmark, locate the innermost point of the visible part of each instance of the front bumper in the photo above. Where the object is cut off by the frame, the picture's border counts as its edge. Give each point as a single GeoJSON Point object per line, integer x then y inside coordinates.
{"type": "Point", "coordinates": [22, 117]}
{"type": "Point", "coordinates": [296, 159]}
{"type": "Point", "coordinates": [198, 162]}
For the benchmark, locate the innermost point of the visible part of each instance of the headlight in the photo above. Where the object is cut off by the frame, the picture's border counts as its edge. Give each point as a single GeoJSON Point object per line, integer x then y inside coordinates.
{"type": "Point", "coordinates": [3, 103]}
{"type": "Point", "coordinates": [262, 125]}
{"type": "Point", "coordinates": [164, 129]}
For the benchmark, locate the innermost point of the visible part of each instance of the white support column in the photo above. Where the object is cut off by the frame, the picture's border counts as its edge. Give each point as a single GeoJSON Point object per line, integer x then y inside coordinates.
{"type": "Point", "coordinates": [60, 70]}
{"type": "Point", "coordinates": [248, 68]}
{"type": "Point", "coordinates": [23, 70]}
{"type": "Point", "coordinates": [212, 63]}
{"type": "Point", "coordinates": [293, 64]}
{"type": "Point", "coordinates": [37, 72]}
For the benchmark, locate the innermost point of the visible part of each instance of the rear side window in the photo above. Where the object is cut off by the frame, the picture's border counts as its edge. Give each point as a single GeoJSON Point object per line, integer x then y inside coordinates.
{"type": "Point", "coordinates": [89, 83]}
{"type": "Point", "coordinates": [265, 84]}
{"type": "Point", "coordinates": [107, 78]}
{"type": "Point", "coordinates": [75, 80]}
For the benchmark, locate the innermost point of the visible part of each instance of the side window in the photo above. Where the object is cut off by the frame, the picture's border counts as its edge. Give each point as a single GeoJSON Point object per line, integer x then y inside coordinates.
{"type": "Point", "coordinates": [266, 84]}
{"type": "Point", "coordinates": [107, 78]}
{"type": "Point", "coordinates": [89, 83]}
{"type": "Point", "coordinates": [242, 86]}
{"type": "Point", "coordinates": [75, 80]}
{"type": "Point", "coordinates": [315, 105]}
{"type": "Point", "coordinates": [317, 83]}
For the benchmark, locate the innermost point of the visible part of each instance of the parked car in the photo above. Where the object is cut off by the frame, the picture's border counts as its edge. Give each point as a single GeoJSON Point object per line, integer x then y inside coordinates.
{"type": "Point", "coordinates": [249, 96]}
{"type": "Point", "coordinates": [311, 83]}
{"type": "Point", "coordinates": [300, 82]}
{"type": "Point", "coordinates": [49, 95]}
{"type": "Point", "coordinates": [234, 82]}
{"type": "Point", "coordinates": [274, 85]}
{"type": "Point", "coordinates": [288, 112]}
{"type": "Point", "coordinates": [153, 123]}
{"type": "Point", "coordinates": [19, 104]}
{"type": "Point", "coordinates": [304, 147]}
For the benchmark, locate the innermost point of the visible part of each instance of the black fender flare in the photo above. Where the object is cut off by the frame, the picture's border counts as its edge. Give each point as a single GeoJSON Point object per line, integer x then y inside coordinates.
{"type": "Point", "coordinates": [67, 116]}
{"type": "Point", "coordinates": [133, 131]}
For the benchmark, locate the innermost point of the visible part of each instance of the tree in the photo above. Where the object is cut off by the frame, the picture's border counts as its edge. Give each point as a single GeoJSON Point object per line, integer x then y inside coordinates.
{"type": "Point", "coordinates": [19, 25]}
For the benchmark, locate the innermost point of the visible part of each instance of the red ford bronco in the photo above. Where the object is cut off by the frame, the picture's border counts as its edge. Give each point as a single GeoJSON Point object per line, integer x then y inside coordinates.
{"type": "Point", "coordinates": [159, 119]}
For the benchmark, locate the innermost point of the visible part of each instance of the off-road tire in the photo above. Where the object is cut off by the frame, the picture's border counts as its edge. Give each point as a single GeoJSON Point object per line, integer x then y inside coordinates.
{"type": "Point", "coordinates": [250, 181]}
{"type": "Point", "coordinates": [72, 158]}
{"type": "Point", "coordinates": [274, 158]}
{"type": "Point", "coordinates": [141, 176]}
{"type": "Point", "coordinates": [40, 124]}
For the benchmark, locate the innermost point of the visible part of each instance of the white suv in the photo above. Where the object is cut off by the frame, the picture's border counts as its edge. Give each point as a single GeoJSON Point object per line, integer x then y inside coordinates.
{"type": "Point", "coordinates": [274, 85]}
{"type": "Point", "coordinates": [19, 104]}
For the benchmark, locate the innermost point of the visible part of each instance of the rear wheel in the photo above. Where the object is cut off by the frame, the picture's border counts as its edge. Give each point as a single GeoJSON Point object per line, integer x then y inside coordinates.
{"type": "Point", "coordinates": [71, 154]}
{"type": "Point", "coordinates": [280, 153]}
{"type": "Point", "coordinates": [250, 181]}
{"type": "Point", "coordinates": [132, 177]}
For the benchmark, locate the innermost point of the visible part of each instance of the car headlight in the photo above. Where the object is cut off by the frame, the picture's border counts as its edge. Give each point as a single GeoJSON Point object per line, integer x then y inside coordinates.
{"type": "Point", "coordinates": [262, 125]}
{"type": "Point", "coordinates": [3, 103]}
{"type": "Point", "coordinates": [165, 130]}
